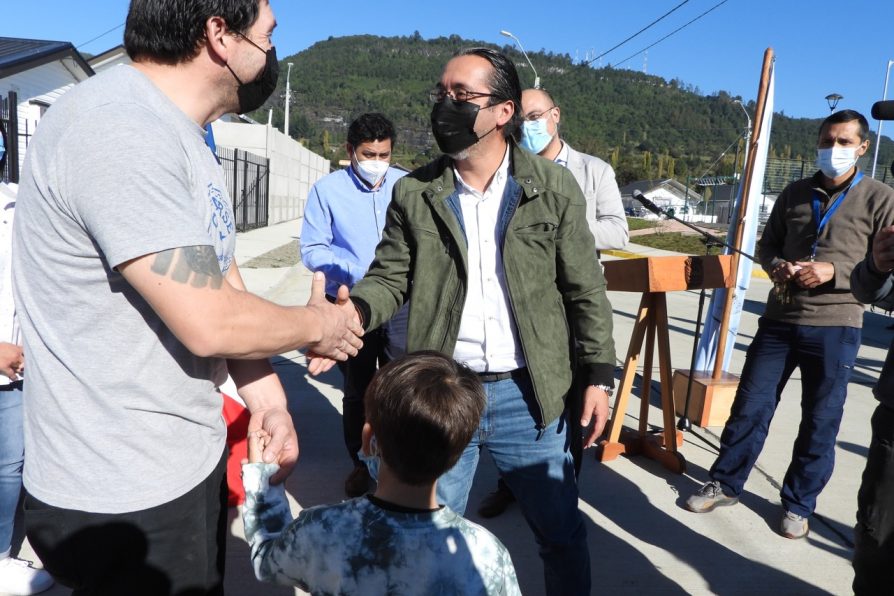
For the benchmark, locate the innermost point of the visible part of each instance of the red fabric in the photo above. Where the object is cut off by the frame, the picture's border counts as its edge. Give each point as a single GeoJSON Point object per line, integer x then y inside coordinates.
{"type": "Point", "coordinates": [236, 416]}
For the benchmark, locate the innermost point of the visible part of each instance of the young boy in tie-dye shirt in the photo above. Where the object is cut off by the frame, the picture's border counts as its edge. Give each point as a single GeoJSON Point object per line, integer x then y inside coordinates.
{"type": "Point", "coordinates": [421, 410]}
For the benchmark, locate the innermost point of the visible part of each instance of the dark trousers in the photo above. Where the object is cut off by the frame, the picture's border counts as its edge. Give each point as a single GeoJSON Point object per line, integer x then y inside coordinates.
{"type": "Point", "coordinates": [825, 356]}
{"type": "Point", "coordinates": [358, 372]}
{"type": "Point", "coordinates": [874, 532]}
{"type": "Point", "coordinates": [178, 548]}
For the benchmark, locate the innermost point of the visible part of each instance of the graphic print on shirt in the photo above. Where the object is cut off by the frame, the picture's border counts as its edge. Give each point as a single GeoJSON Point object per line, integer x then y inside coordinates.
{"type": "Point", "coordinates": [220, 225]}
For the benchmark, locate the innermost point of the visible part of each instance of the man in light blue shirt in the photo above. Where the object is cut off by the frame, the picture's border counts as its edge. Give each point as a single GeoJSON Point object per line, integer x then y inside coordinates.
{"type": "Point", "coordinates": [343, 223]}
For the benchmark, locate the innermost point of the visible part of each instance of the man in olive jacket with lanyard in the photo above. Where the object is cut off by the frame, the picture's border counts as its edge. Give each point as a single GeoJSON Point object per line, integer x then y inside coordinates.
{"type": "Point", "coordinates": [494, 245]}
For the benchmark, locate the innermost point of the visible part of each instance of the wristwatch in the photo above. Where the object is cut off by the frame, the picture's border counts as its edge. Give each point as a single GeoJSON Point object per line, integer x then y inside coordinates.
{"type": "Point", "coordinates": [608, 390]}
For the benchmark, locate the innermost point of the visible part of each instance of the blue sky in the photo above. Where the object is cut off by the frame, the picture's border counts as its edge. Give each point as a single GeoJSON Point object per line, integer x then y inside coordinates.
{"type": "Point", "coordinates": [822, 46]}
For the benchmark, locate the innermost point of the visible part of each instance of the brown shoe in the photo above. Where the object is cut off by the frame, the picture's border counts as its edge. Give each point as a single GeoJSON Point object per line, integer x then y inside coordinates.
{"type": "Point", "coordinates": [496, 502]}
{"type": "Point", "coordinates": [357, 482]}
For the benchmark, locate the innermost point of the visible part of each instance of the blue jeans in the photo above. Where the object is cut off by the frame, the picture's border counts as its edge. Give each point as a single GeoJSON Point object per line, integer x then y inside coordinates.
{"type": "Point", "coordinates": [12, 456]}
{"type": "Point", "coordinates": [537, 466]}
{"type": "Point", "coordinates": [825, 356]}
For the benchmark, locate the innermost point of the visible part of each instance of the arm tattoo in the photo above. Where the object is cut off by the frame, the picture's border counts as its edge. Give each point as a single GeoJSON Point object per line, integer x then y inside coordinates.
{"type": "Point", "coordinates": [195, 265]}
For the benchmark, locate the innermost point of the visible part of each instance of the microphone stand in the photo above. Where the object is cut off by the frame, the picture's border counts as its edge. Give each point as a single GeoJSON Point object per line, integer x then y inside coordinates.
{"type": "Point", "coordinates": [685, 424]}
{"type": "Point", "coordinates": [708, 236]}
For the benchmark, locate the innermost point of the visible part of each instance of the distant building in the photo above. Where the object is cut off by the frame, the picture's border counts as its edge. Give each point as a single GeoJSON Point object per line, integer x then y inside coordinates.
{"type": "Point", "coordinates": [666, 193]}
{"type": "Point", "coordinates": [33, 75]}
{"type": "Point", "coordinates": [109, 58]}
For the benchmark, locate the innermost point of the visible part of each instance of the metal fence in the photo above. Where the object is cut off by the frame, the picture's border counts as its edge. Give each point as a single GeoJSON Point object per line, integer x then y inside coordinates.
{"type": "Point", "coordinates": [782, 172]}
{"type": "Point", "coordinates": [9, 122]}
{"type": "Point", "coordinates": [248, 181]}
{"type": "Point", "coordinates": [4, 126]}
{"type": "Point", "coordinates": [18, 136]}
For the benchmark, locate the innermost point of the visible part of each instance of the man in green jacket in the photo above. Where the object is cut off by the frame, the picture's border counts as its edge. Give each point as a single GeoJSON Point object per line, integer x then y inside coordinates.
{"type": "Point", "coordinates": [494, 246]}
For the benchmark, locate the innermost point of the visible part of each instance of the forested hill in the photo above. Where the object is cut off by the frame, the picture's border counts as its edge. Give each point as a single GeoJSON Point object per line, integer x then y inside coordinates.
{"type": "Point", "coordinates": [646, 126]}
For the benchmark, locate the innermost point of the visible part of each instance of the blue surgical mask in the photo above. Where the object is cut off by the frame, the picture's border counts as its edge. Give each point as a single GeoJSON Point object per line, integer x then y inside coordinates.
{"type": "Point", "coordinates": [535, 136]}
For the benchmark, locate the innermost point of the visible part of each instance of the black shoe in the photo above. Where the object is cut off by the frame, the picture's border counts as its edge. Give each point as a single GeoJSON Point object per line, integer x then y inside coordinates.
{"type": "Point", "coordinates": [496, 502]}
{"type": "Point", "coordinates": [357, 482]}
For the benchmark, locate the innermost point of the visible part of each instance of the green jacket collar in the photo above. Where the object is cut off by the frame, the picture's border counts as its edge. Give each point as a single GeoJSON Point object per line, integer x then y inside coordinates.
{"type": "Point", "coordinates": [522, 167]}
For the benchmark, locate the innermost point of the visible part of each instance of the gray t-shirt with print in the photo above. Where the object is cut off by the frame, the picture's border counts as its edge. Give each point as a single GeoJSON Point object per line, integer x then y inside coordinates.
{"type": "Point", "coordinates": [119, 415]}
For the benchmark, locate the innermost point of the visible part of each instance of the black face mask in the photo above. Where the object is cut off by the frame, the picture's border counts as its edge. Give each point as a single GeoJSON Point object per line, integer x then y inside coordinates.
{"type": "Point", "coordinates": [252, 95]}
{"type": "Point", "coordinates": [453, 125]}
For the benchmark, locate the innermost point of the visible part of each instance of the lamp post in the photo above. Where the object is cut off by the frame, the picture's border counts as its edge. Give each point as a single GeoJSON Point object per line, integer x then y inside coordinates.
{"type": "Point", "coordinates": [285, 126]}
{"type": "Point", "coordinates": [833, 99]}
{"type": "Point", "coordinates": [878, 133]}
{"type": "Point", "coordinates": [536, 78]}
{"type": "Point", "coordinates": [747, 136]}
{"type": "Point", "coordinates": [747, 115]}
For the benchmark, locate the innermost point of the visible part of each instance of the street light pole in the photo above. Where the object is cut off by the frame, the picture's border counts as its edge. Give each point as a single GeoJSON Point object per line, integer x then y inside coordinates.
{"type": "Point", "coordinates": [747, 138]}
{"type": "Point", "coordinates": [531, 64]}
{"type": "Point", "coordinates": [285, 126]}
{"type": "Point", "coordinates": [878, 133]}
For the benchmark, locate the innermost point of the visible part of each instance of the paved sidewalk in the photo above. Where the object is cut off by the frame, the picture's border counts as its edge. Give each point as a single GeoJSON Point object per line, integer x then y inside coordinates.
{"type": "Point", "coordinates": [642, 541]}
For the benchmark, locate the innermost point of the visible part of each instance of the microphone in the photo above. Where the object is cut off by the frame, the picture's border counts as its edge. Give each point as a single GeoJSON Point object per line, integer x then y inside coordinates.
{"type": "Point", "coordinates": [639, 196]}
{"type": "Point", "coordinates": [883, 110]}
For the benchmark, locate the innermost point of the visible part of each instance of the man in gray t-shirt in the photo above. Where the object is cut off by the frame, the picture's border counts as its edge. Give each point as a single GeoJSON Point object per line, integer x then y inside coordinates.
{"type": "Point", "coordinates": [134, 310]}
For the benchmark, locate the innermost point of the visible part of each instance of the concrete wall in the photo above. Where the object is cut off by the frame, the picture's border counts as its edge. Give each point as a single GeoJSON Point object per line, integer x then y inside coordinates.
{"type": "Point", "coordinates": [293, 168]}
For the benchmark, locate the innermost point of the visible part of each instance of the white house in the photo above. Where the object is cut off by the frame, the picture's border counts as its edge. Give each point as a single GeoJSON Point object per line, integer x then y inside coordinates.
{"type": "Point", "coordinates": [666, 193]}
{"type": "Point", "coordinates": [33, 74]}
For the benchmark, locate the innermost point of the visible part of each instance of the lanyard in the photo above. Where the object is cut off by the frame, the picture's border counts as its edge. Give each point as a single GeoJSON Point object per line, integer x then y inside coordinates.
{"type": "Point", "coordinates": [822, 220]}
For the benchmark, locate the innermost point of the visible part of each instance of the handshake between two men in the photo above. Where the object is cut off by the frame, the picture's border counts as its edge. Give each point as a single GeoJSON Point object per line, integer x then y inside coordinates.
{"type": "Point", "coordinates": [340, 326]}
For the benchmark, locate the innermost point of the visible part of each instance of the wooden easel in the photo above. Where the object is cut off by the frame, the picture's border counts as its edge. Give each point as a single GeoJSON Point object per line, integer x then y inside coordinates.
{"type": "Point", "coordinates": [655, 276]}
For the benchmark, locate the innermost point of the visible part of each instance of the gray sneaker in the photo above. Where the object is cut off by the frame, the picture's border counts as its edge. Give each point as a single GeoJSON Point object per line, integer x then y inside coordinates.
{"type": "Point", "coordinates": [793, 526]}
{"type": "Point", "coordinates": [708, 497]}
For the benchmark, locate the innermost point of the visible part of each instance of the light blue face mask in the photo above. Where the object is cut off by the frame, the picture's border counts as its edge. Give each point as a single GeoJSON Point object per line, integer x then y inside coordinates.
{"type": "Point", "coordinates": [535, 136]}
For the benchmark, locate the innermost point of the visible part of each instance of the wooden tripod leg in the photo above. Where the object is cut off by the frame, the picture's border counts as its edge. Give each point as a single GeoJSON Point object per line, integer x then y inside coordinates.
{"type": "Point", "coordinates": [611, 448]}
{"type": "Point", "coordinates": [676, 462]}
{"type": "Point", "coordinates": [646, 391]}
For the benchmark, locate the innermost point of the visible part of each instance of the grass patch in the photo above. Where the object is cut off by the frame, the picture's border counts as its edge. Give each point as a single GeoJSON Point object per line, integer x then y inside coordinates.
{"type": "Point", "coordinates": [677, 242]}
{"type": "Point", "coordinates": [638, 223]}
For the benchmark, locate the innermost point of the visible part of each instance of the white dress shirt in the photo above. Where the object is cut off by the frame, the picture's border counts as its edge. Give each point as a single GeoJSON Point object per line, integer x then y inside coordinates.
{"type": "Point", "coordinates": [488, 338]}
{"type": "Point", "coordinates": [562, 157]}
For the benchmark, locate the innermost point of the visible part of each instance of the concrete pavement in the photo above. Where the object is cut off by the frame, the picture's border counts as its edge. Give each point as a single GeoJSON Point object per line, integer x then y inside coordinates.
{"type": "Point", "coordinates": [642, 541]}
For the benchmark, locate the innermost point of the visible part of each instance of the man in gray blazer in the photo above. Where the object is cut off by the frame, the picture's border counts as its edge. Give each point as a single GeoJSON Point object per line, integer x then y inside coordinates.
{"type": "Point", "coordinates": [540, 134]}
{"type": "Point", "coordinates": [605, 215]}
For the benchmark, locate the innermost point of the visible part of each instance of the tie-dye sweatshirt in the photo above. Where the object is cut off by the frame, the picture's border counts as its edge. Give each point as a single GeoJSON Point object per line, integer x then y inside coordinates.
{"type": "Point", "coordinates": [358, 547]}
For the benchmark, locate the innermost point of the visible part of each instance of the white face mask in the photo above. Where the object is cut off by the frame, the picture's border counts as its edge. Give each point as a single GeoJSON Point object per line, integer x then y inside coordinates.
{"type": "Point", "coordinates": [835, 161]}
{"type": "Point", "coordinates": [371, 170]}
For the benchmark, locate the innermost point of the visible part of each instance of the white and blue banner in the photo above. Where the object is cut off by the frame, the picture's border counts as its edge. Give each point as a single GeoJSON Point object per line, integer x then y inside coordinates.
{"type": "Point", "coordinates": [707, 345]}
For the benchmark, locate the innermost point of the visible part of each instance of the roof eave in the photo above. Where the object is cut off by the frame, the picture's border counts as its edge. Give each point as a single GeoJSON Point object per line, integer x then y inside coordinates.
{"type": "Point", "coordinates": [34, 61]}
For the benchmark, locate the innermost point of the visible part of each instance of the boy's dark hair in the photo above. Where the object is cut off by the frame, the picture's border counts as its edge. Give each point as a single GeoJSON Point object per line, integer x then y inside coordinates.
{"type": "Point", "coordinates": [172, 31]}
{"type": "Point", "coordinates": [371, 127]}
{"type": "Point", "coordinates": [504, 84]}
{"type": "Point", "coordinates": [847, 116]}
{"type": "Point", "coordinates": [423, 408]}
